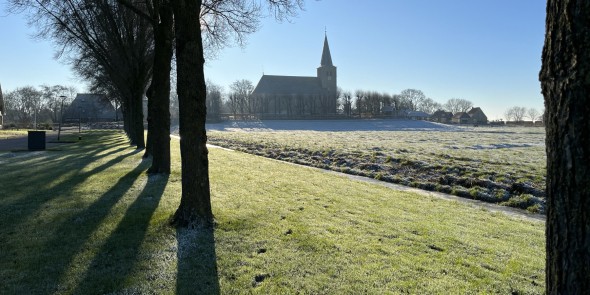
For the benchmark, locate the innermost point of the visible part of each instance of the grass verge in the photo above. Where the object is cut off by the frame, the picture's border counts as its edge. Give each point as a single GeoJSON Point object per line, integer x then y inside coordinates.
{"type": "Point", "coordinates": [88, 220]}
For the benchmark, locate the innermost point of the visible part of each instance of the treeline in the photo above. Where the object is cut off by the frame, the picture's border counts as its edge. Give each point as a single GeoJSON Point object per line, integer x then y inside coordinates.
{"type": "Point", "coordinates": [32, 107]}
{"type": "Point", "coordinates": [358, 103]}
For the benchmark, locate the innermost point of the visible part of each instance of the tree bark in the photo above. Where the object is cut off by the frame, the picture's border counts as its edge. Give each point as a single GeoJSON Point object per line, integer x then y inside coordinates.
{"type": "Point", "coordinates": [565, 80]}
{"type": "Point", "coordinates": [159, 102]}
{"type": "Point", "coordinates": [195, 203]}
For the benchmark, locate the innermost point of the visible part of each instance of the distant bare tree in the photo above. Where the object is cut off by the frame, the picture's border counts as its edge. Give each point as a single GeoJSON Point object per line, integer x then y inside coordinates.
{"type": "Point", "coordinates": [240, 96]}
{"type": "Point", "coordinates": [455, 105]}
{"type": "Point", "coordinates": [346, 101]}
{"type": "Point", "coordinates": [428, 105]}
{"type": "Point", "coordinates": [533, 114]}
{"type": "Point", "coordinates": [359, 102]}
{"type": "Point", "coordinates": [213, 101]}
{"type": "Point", "coordinates": [54, 96]}
{"type": "Point", "coordinates": [515, 114]}
{"type": "Point", "coordinates": [414, 96]}
{"type": "Point", "coordinates": [23, 104]}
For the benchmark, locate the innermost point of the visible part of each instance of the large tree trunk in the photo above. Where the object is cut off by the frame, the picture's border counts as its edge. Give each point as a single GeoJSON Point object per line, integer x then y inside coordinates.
{"type": "Point", "coordinates": [195, 203]}
{"type": "Point", "coordinates": [159, 105]}
{"type": "Point", "coordinates": [565, 79]}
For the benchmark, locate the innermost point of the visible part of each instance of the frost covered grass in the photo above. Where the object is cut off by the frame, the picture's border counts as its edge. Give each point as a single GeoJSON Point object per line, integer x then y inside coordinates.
{"type": "Point", "coordinates": [498, 165]}
{"type": "Point", "coordinates": [88, 220]}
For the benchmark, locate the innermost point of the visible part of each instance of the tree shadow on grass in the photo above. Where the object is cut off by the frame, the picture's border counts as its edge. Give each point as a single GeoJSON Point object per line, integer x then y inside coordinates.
{"type": "Point", "coordinates": [197, 262]}
{"type": "Point", "coordinates": [114, 262]}
{"type": "Point", "coordinates": [58, 253]}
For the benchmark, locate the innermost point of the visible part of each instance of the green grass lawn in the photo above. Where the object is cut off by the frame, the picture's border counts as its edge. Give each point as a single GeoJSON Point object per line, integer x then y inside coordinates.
{"type": "Point", "coordinates": [87, 219]}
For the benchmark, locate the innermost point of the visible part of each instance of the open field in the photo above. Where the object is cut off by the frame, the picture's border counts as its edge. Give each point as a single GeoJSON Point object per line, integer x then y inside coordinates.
{"type": "Point", "coordinates": [504, 165]}
{"type": "Point", "coordinates": [87, 219]}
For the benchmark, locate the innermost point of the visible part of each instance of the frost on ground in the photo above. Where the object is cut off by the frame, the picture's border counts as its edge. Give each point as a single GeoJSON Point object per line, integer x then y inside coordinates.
{"type": "Point", "coordinates": [495, 164]}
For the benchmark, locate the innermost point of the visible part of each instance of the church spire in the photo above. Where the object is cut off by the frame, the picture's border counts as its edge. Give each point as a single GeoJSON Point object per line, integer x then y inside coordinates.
{"type": "Point", "coordinates": [326, 57]}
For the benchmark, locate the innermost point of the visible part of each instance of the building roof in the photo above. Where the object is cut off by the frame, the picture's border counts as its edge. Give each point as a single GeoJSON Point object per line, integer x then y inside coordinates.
{"type": "Point", "coordinates": [417, 114]}
{"type": "Point", "coordinates": [442, 114]}
{"type": "Point", "coordinates": [89, 105]}
{"type": "Point", "coordinates": [461, 115]}
{"type": "Point", "coordinates": [288, 85]}
{"type": "Point", "coordinates": [475, 111]}
{"type": "Point", "coordinates": [326, 57]}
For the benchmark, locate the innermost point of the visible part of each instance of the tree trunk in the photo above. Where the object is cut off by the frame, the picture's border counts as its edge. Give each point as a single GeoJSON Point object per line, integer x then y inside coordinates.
{"type": "Point", "coordinates": [159, 104]}
{"type": "Point", "coordinates": [565, 80]}
{"type": "Point", "coordinates": [195, 203]}
{"type": "Point", "coordinates": [136, 135]}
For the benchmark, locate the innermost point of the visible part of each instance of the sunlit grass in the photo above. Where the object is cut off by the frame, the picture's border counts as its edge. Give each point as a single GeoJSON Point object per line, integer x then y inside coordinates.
{"type": "Point", "coordinates": [89, 220]}
{"type": "Point", "coordinates": [492, 164]}
{"type": "Point", "coordinates": [8, 133]}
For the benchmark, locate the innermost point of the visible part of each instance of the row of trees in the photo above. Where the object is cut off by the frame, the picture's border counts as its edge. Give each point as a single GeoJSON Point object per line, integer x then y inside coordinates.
{"type": "Point", "coordinates": [124, 48]}
{"type": "Point", "coordinates": [372, 102]}
{"type": "Point", "coordinates": [518, 114]}
{"type": "Point", "coordinates": [239, 100]}
{"type": "Point", "coordinates": [28, 105]}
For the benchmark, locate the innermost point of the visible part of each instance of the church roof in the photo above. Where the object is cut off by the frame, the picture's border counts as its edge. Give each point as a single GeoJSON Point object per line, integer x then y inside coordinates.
{"type": "Point", "coordinates": [287, 85]}
{"type": "Point", "coordinates": [326, 57]}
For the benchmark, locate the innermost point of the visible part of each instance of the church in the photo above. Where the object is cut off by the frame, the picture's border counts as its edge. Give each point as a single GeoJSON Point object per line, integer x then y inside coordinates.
{"type": "Point", "coordinates": [296, 97]}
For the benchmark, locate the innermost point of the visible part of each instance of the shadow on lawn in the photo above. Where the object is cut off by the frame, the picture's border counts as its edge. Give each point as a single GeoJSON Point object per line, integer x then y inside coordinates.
{"type": "Point", "coordinates": [56, 251]}
{"type": "Point", "coordinates": [197, 262]}
{"type": "Point", "coordinates": [60, 251]}
{"type": "Point", "coordinates": [116, 260]}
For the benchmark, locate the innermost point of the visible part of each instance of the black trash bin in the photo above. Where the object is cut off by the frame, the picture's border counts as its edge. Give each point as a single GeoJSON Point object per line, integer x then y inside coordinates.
{"type": "Point", "coordinates": [36, 140]}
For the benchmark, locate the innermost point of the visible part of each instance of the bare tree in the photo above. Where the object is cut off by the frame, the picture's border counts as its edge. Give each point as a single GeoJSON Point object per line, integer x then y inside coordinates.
{"type": "Point", "coordinates": [533, 114]}
{"type": "Point", "coordinates": [566, 88]}
{"type": "Point", "coordinates": [240, 95]}
{"type": "Point", "coordinates": [455, 105]}
{"type": "Point", "coordinates": [213, 101]}
{"type": "Point", "coordinates": [515, 114]}
{"type": "Point", "coordinates": [414, 96]}
{"type": "Point", "coordinates": [100, 36]}
{"type": "Point", "coordinates": [346, 101]}
{"type": "Point", "coordinates": [23, 104]}
{"type": "Point", "coordinates": [428, 105]}
{"type": "Point", "coordinates": [57, 97]}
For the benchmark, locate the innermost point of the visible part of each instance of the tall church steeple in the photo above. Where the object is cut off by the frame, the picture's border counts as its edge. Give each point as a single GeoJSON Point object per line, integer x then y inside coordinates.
{"type": "Point", "coordinates": [327, 71]}
{"type": "Point", "coordinates": [326, 57]}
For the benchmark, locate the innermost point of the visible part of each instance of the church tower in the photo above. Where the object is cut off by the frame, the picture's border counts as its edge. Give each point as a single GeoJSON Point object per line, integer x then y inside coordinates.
{"type": "Point", "coordinates": [327, 71]}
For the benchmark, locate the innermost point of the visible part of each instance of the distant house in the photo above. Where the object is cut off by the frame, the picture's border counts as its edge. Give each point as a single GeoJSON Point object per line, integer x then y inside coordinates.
{"type": "Point", "coordinates": [461, 118]}
{"type": "Point", "coordinates": [417, 115]}
{"type": "Point", "coordinates": [88, 107]}
{"type": "Point", "coordinates": [387, 110]}
{"type": "Point", "coordinates": [477, 116]}
{"type": "Point", "coordinates": [441, 116]}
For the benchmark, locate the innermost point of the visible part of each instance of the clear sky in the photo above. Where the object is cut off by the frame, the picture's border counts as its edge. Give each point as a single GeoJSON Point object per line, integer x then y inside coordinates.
{"type": "Point", "coordinates": [486, 51]}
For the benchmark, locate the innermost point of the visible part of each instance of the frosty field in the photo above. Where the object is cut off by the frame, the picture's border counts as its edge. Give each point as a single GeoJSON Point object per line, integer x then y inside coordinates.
{"type": "Point", "coordinates": [504, 165]}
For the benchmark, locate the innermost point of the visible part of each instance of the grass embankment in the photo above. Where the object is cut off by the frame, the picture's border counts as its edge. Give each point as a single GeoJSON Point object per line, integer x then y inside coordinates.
{"type": "Point", "coordinates": [88, 220]}
{"type": "Point", "coordinates": [497, 165]}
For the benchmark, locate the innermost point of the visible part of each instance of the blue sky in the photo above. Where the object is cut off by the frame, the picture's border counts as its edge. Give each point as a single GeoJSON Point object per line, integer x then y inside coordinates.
{"type": "Point", "coordinates": [486, 51]}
